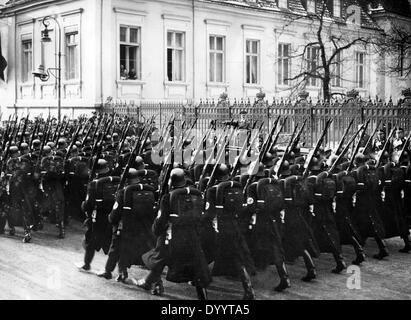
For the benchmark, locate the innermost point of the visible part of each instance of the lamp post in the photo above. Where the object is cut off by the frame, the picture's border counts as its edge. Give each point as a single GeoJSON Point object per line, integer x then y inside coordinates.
{"type": "Point", "coordinates": [44, 74]}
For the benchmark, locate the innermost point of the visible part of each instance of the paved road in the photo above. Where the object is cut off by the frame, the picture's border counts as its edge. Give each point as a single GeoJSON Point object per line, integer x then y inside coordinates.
{"type": "Point", "coordinates": [45, 269]}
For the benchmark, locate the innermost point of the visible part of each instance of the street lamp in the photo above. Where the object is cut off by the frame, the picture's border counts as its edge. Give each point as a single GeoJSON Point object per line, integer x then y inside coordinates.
{"type": "Point", "coordinates": [44, 74]}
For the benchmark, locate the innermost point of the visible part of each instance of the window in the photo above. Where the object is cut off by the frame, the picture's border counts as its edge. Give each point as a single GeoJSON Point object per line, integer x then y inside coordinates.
{"type": "Point", "coordinates": [336, 71]}
{"type": "Point", "coordinates": [130, 53]}
{"type": "Point", "coordinates": [284, 63]}
{"type": "Point", "coordinates": [217, 57]}
{"type": "Point", "coordinates": [72, 64]}
{"type": "Point", "coordinates": [252, 61]}
{"type": "Point", "coordinates": [312, 64]}
{"type": "Point", "coordinates": [337, 8]}
{"type": "Point", "coordinates": [175, 56]}
{"type": "Point", "coordinates": [360, 69]}
{"type": "Point", "coordinates": [27, 63]}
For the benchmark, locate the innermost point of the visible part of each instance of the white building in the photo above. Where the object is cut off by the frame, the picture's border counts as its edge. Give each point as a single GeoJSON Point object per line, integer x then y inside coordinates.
{"type": "Point", "coordinates": [134, 50]}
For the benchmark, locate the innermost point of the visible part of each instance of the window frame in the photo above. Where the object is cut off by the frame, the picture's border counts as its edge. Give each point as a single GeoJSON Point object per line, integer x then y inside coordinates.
{"type": "Point", "coordinates": [312, 81]}
{"type": "Point", "coordinates": [68, 45]}
{"type": "Point", "coordinates": [214, 53]}
{"type": "Point", "coordinates": [248, 73]}
{"type": "Point", "coordinates": [281, 79]}
{"type": "Point", "coordinates": [128, 44]}
{"type": "Point", "coordinates": [336, 73]}
{"type": "Point", "coordinates": [359, 65]}
{"type": "Point", "coordinates": [26, 70]}
{"type": "Point", "coordinates": [175, 48]}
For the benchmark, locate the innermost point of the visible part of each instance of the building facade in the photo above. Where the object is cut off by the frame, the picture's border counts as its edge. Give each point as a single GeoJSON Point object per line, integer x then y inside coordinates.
{"type": "Point", "coordinates": [132, 50]}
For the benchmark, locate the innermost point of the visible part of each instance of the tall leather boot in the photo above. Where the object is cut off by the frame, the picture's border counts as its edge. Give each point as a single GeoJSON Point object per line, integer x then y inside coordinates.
{"type": "Point", "coordinates": [246, 282]}
{"type": "Point", "coordinates": [27, 236]}
{"type": "Point", "coordinates": [62, 231]}
{"type": "Point", "coordinates": [284, 278]}
{"type": "Point", "coordinates": [340, 263]}
{"type": "Point", "coordinates": [359, 251]}
{"type": "Point", "coordinates": [309, 264]}
{"type": "Point", "coordinates": [407, 247]}
{"type": "Point", "coordinates": [88, 258]}
{"type": "Point", "coordinates": [201, 293]}
{"type": "Point", "coordinates": [383, 251]}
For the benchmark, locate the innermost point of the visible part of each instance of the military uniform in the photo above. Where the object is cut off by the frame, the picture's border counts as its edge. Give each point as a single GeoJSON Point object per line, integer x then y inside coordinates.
{"type": "Point", "coordinates": [97, 206]}
{"type": "Point", "coordinates": [178, 239]}
{"type": "Point", "coordinates": [132, 217]}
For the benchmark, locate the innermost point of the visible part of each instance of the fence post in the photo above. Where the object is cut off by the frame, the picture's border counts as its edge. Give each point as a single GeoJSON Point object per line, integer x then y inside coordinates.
{"type": "Point", "coordinates": [161, 116]}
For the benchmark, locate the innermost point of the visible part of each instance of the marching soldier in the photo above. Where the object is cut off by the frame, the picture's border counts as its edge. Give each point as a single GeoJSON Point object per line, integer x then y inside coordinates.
{"type": "Point", "coordinates": [132, 217]}
{"type": "Point", "coordinates": [265, 204]}
{"type": "Point", "coordinates": [299, 240]}
{"type": "Point", "coordinates": [52, 184]}
{"type": "Point", "coordinates": [223, 210]}
{"type": "Point", "coordinates": [324, 225]}
{"type": "Point", "coordinates": [97, 206]}
{"type": "Point", "coordinates": [178, 240]}
{"type": "Point", "coordinates": [367, 202]}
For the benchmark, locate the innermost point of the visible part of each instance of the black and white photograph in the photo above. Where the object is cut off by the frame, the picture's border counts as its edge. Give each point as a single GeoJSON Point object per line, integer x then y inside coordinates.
{"type": "Point", "coordinates": [205, 150]}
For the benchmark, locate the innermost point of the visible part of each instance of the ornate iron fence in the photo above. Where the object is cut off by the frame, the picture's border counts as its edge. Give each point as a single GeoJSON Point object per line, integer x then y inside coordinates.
{"type": "Point", "coordinates": [386, 115]}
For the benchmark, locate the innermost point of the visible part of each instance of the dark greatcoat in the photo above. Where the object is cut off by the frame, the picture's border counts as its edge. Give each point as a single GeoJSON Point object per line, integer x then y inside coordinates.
{"type": "Point", "coordinates": [132, 228]}
{"type": "Point", "coordinates": [182, 253]}
{"type": "Point", "coordinates": [231, 252]}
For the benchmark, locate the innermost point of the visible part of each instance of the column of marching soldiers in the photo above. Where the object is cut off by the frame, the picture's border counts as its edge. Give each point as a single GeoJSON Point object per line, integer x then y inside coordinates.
{"type": "Point", "coordinates": [238, 216]}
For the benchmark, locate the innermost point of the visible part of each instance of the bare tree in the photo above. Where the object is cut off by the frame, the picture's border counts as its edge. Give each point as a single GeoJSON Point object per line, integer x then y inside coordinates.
{"type": "Point", "coordinates": [395, 46]}
{"type": "Point", "coordinates": [331, 38]}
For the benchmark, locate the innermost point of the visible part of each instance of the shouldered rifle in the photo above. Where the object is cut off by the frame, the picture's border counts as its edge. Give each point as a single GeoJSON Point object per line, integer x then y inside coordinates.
{"type": "Point", "coordinates": [211, 156]}
{"type": "Point", "coordinates": [26, 121]}
{"type": "Point", "coordinates": [357, 147]}
{"type": "Point", "coordinates": [87, 134]}
{"type": "Point", "coordinates": [99, 149]}
{"type": "Point", "coordinates": [298, 137]}
{"type": "Point", "coordinates": [200, 145]}
{"type": "Point", "coordinates": [345, 150]}
{"type": "Point", "coordinates": [245, 150]}
{"type": "Point", "coordinates": [287, 150]}
{"type": "Point", "coordinates": [341, 143]}
{"type": "Point", "coordinates": [379, 159]}
{"type": "Point", "coordinates": [220, 154]}
{"type": "Point", "coordinates": [127, 168]}
{"type": "Point", "coordinates": [316, 148]}
{"type": "Point", "coordinates": [33, 134]}
{"type": "Point", "coordinates": [404, 148]}
{"type": "Point", "coordinates": [267, 144]}
{"type": "Point", "coordinates": [368, 144]}
{"type": "Point", "coordinates": [73, 142]}
{"type": "Point", "coordinates": [277, 136]}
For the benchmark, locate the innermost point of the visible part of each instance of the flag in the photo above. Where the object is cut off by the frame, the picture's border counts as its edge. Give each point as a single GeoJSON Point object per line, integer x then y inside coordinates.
{"type": "Point", "coordinates": [3, 64]}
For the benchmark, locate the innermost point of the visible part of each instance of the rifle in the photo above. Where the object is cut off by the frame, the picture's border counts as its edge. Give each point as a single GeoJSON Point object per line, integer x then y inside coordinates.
{"type": "Point", "coordinates": [317, 147]}
{"type": "Point", "coordinates": [340, 144]}
{"type": "Point", "coordinates": [407, 141]}
{"type": "Point", "coordinates": [201, 144]}
{"type": "Point", "coordinates": [87, 134]}
{"type": "Point", "coordinates": [267, 144]}
{"type": "Point", "coordinates": [263, 152]}
{"type": "Point", "coordinates": [99, 149]}
{"type": "Point", "coordinates": [24, 129]}
{"type": "Point", "coordinates": [357, 147]}
{"type": "Point", "coordinates": [298, 137]}
{"type": "Point", "coordinates": [384, 148]}
{"type": "Point", "coordinates": [244, 151]}
{"type": "Point", "coordinates": [345, 150]}
{"type": "Point", "coordinates": [277, 136]}
{"type": "Point", "coordinates": [221, 152]}
{"type": "Point", "coordinates": [33, 134]}
{"type": "Point", "coordinates": [210, 157]}
{"type": "Point", "coordinates": [73, 141]}
{"type": "Point", "coordinates": [367, 145]}
{"type": "Point", "coordinates": [286, 151]}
